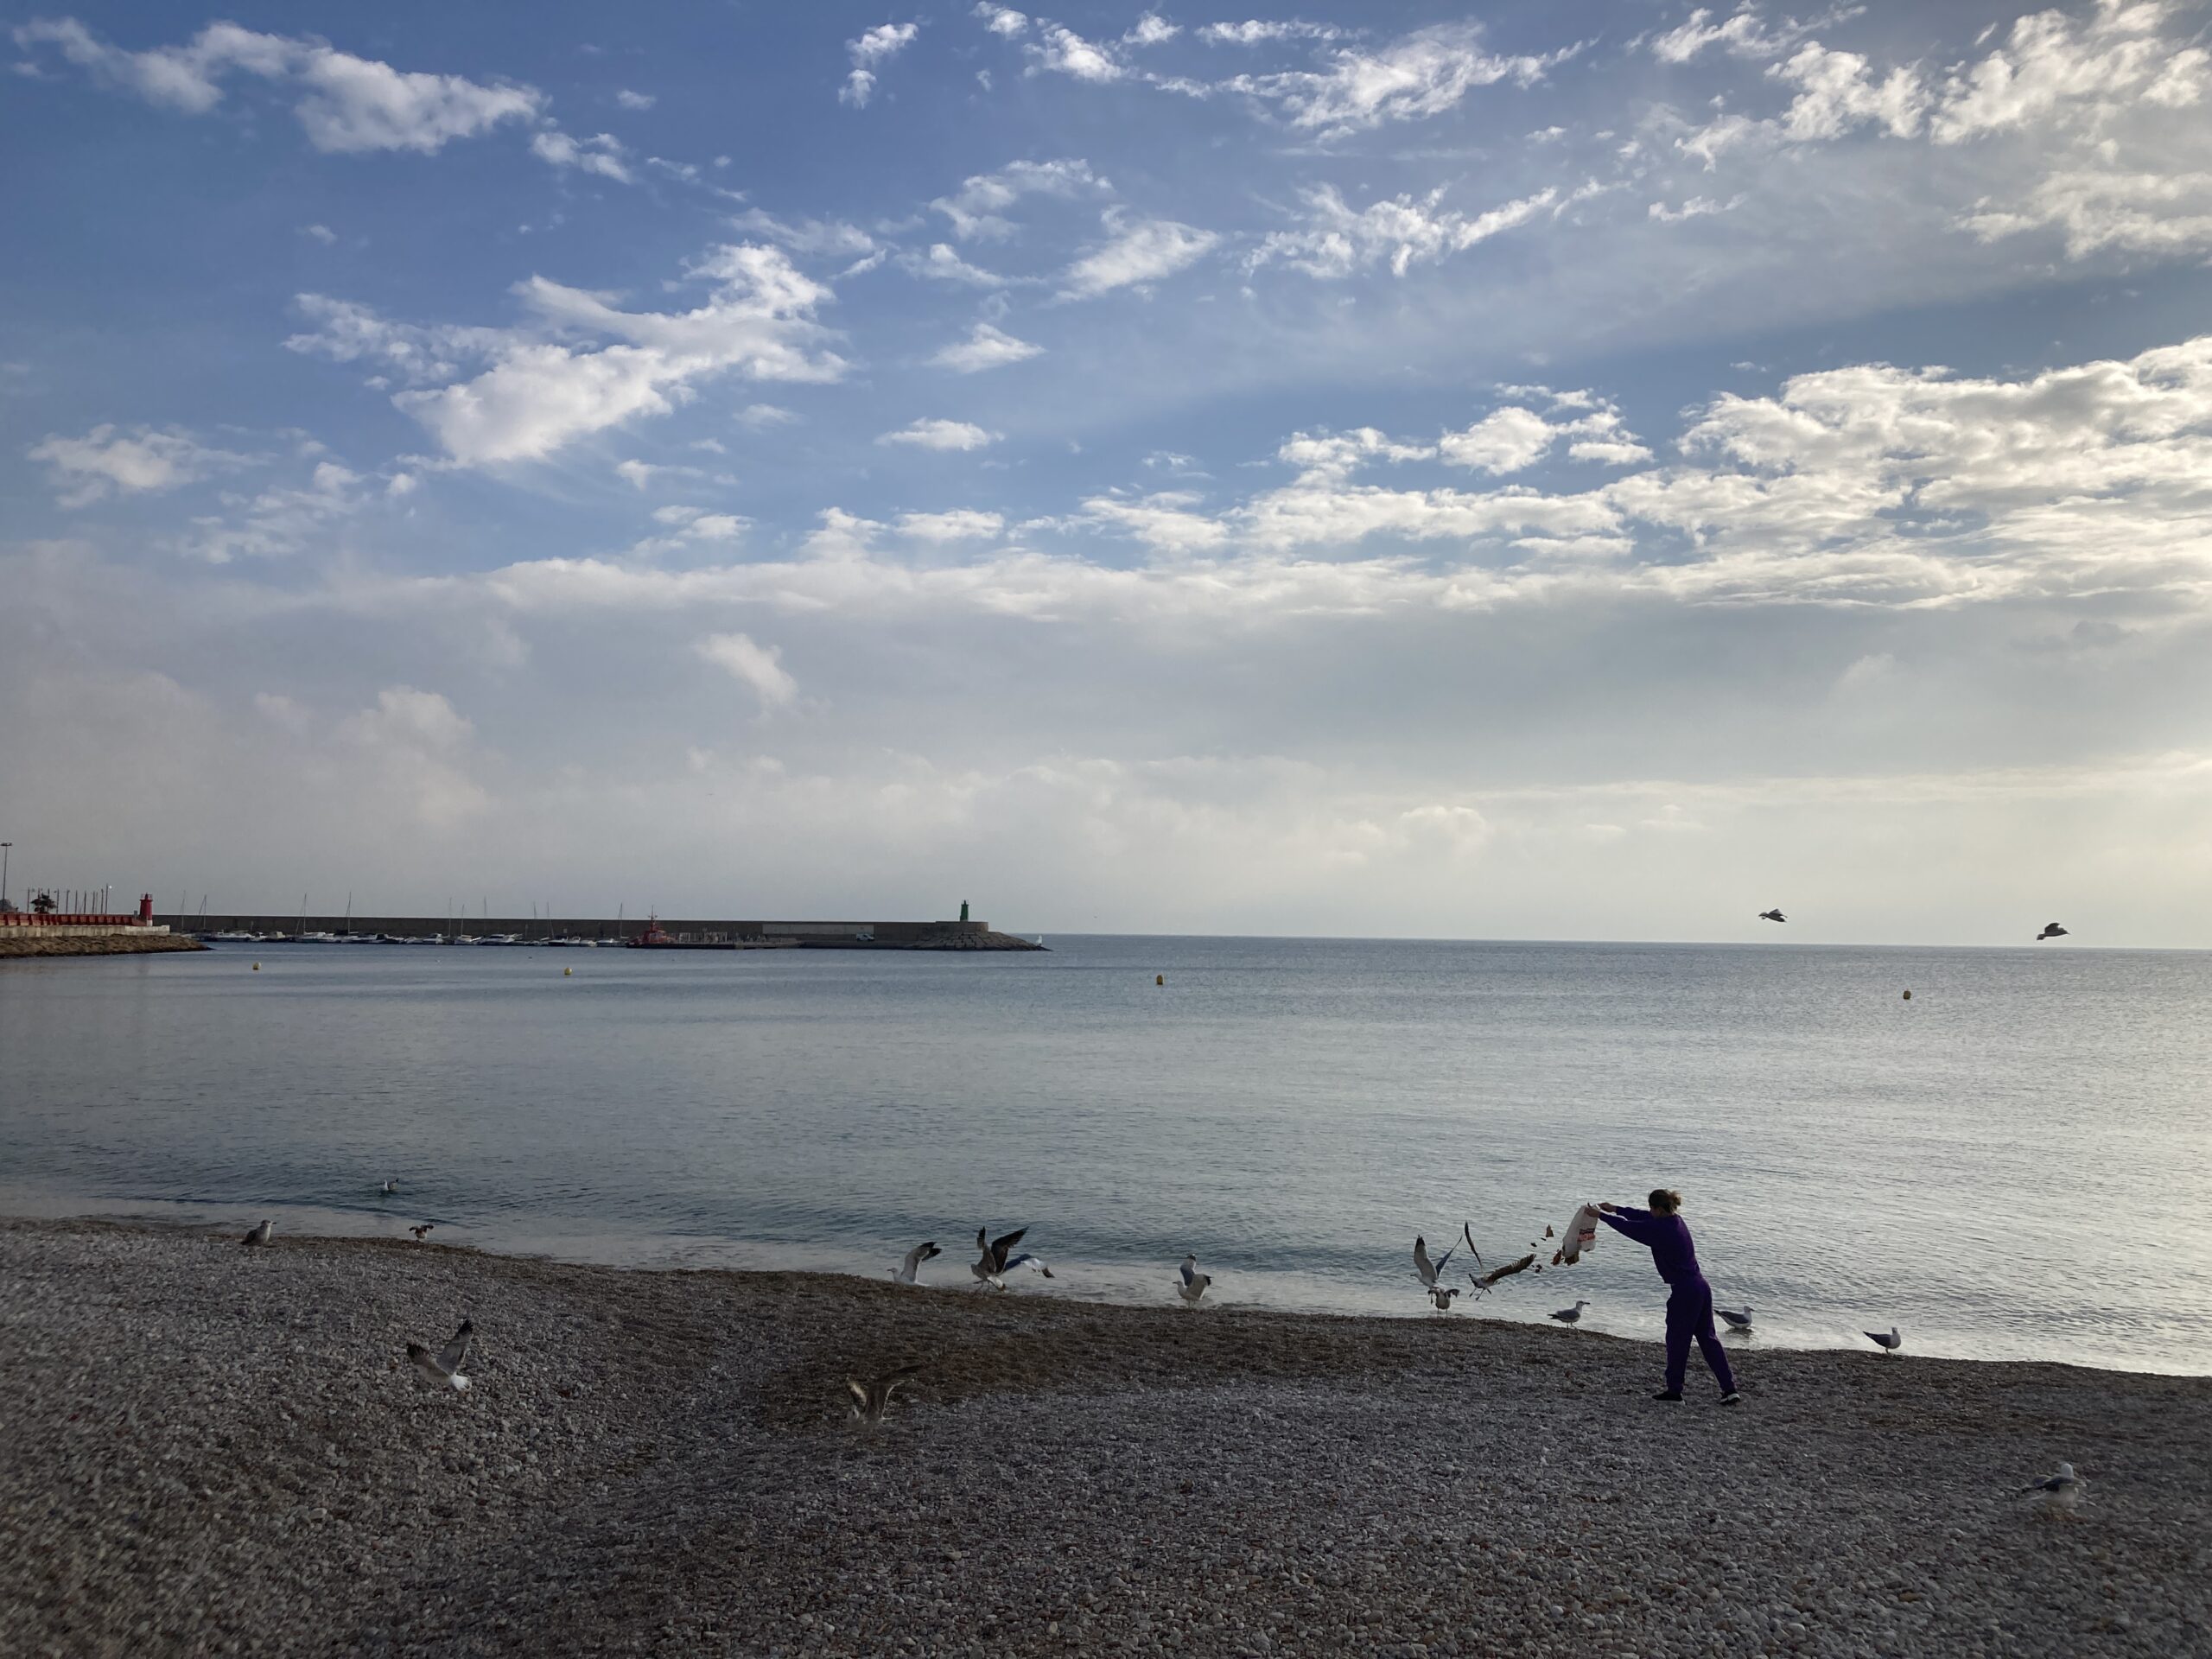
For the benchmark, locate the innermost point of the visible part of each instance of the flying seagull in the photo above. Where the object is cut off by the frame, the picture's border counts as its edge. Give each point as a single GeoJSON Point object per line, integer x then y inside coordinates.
{"type": "Point", "coordinates": [904, 1272]}
{"type": "Point", "coordinates": [2061, 1490]}
{"type": "Point", "coordinates": [1484, 1281]}
{"type": "Point", "coordinates": [1442, 1296]}
{"type": "Point", "coordinates": [1890, 1340]}
{"type": "Point", "coordinates": [388, 1188]}
{"type": "Point", "coordinates": [2050, 931]}
{"type": "Point", "coordinates": [1190, 1283]}
{"type": "Point", "coordinates": [259, 1235]}
{"type": "Point", "coordinates": [1736, 1321]}
{"type": "Point", "coordinates": [442, 1368]}
{"type": "Point", "coordinates": [1429, 1270]}
{"type": "Point", "coordinates": [996, 1263]}
{"type": "Point", "coordinates": [872, 1395]}
{"type": "Point", "coordinates": [1571, 1315]}
{"type": "Point", "coordinates": [1773, 915]}
{"type": "Point", "coordinates": [419, 1231]}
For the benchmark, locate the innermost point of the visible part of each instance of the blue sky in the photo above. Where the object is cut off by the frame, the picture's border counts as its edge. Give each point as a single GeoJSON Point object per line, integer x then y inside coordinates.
{"type": "Point", "coordinates": [1555, 470]}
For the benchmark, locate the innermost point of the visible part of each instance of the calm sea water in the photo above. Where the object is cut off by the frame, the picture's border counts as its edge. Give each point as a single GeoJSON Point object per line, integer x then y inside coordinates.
{"type": "Point", "coordinates": [2016, 1163]}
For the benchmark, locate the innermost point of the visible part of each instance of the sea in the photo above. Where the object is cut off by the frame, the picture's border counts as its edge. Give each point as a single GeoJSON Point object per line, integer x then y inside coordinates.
{"type": "Point", "coordinates": [2012, 1163]}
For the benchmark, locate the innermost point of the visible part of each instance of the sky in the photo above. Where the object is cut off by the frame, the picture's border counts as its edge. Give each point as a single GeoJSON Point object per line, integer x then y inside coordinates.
{"type": "Point", "coordinates": [1526, 470]}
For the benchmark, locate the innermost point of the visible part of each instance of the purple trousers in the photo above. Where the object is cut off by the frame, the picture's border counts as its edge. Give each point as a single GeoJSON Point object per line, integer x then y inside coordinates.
{"type": "Point", "coordinates": [1689, 1313]}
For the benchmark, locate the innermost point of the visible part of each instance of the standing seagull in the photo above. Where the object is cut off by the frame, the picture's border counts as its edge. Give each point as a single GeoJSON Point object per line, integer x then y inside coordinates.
{"type": "Point", "coordinates": [904, 1272]}
{"type": "Point", "coordinates": [1773, 915]}
{"type": "Point", "coordinates": [2050, 931]}
{"type": "Point", "coordinates": [259, 1235]}
{"type": "Point", "coordinates": [1571, 1315]}
{"type": "Point", "coordinates": [1190, 1283]}
{"type": "Point", "coordinates": [2060, 1491]}
{"type": "Point", "coordinates": [996, 1263]}
{"type": "Point", "coordinates": [420, 1231]}
{"type": "Point", "coordinates": [1736, 1321]}
{"type": "Point", "coordinates": [388, 1188]}
{"type": "Point", "coordinates": [442, 1368]}
{"type": "Point", "coordinates": [1429, 1271]}
{"type": "Point", "coordinates": [1888, 1341]}
{"type": "Point", "coordinates": [1441, 1297]}
{"type": "Point", "coordinates": [872, 1397]}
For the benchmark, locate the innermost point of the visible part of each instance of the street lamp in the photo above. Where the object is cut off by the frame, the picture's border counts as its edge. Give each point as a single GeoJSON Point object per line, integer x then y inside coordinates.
{"type": "Point", "coordinates": [4, 846]}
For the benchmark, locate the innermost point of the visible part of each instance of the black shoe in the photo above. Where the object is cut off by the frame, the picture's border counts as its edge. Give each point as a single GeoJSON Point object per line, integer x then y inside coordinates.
{"type": "Point", "coordinates": [1672, 1397]}
{"type": "Point", "coordinates": [1732, 1398]}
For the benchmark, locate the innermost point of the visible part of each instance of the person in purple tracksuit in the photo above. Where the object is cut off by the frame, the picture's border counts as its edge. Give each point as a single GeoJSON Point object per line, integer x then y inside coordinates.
{"type": "Point", "coordinates": [1689, 1305]}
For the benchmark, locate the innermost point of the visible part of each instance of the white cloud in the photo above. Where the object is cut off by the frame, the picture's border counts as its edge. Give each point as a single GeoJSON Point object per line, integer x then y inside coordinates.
{"type": "Point", "coordinates": [878, 45]}
{"type": "Point", "coordinates": [630, 100]}
{"type": "Point", "coordinates": [1742, 35]}
{"type": "Point", "coordinates": [1151, 29]}
{"type": "Point", "coordinates": [960, 525]}
{"type": "Point", "coordinates": [2135, 212]}
{"type": "Point", "coordinates": [282, 520]}
{"type": "Point", "coordinates": [1504, 441]}
{"type": "Point", "coordinates": [2051, 64]}
{"type": "Point", "coordinates": [1335, 242]}
{"type": "Point", "coordinates": [1259, 32]}
{"type": "Point", "coordinates": [1692, 207]}
{"type": "Point", "coordinates": [106, 459]}
{"type": "Point", "coordinates": [1422, 74]}
{"type": "Point", "coordinates": [827, 238]}
{"type": "Point", "coordinates": [942, 264]}
{"type": "Point", "coordinates": [940, 435]}
{"type": "Point", "coordinates": [756, 666]}
{"type": "Point", "coordinates": [321, 233]}
{"type": "Point", "coordinates": [347, 104]}
{"type": "Point", "coordinates": [541, 393]}
{"type": "Point", "coordinates": [1840, 92]}
{"type": "Point", "coordinates": [985, 347]}
{"type": "Point", "coordinates": [1061, 50]}
{"type": "Point", "coordinates": [1003, 21]}
{"type": "Point", "coordinates": [419, 749]}
{"type": "Point", "coordinates": [601, 154]}
{"type": "Point", "coordinates": [978, 207]}
{"type": "Point", "coordinates": [761, 417]}
{"type": "Point", "coordinates": [1141, 250]}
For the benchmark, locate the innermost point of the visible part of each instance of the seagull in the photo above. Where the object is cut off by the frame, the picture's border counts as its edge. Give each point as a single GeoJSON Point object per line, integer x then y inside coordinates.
{"type": "Point", "coordinates": [442, 1368]}
{"type": "Point", "coordinates": [2061, 1490]}
{"type": "Point", "coordinates": [1442, 1295]}
{"type": "Point", "coordinates": [1736, 1321]}
{"type": "Point", "coordinates": [388, 1188]}
{"type": "Point", "coordinates": [904, 1272]}
{"type": "Point", "coordinates": [1773, 915]}
{"type": "Point", "coordinates": [1891, 1340]}
{"type": "Point", "coordinates": [1429, 1270]}
{"type": "Point", "coordinates": [872, 1397]}
{"type": "Point", "coordinates": [259, 1235]}
{"type": "Point", "coordinates": [419, 1231]}
{"type": "Point", "coordinates": [1571, 1315]}
{"type": "Point", "coordinates": [1190, 1283]}
{"type": "Point", "coordinates": [995, 1262]}
{"type": "Point", "coordinates": [1484, 1282]}
{"type": "Point", "coordinates": [2050, 931]}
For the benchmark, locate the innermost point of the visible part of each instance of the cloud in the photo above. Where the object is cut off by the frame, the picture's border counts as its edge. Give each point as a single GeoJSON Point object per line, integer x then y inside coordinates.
{"type": "Point", "coordinates": [1061, 50]}
{"type": "Point", "coordinates": [1003, 21]}
{"type": "Point", "coordinates": [761, 417]}
{"type": "Point", "coordinates": [106, 461]}
{"type": "Point", "coordinates": [541, 393]}
{"type": "Point", "coordinates": [985, 347]}
{"type": "Point", "coordinates": [942, 264]}
{"type": "Point", "coordinates": [418, 750]}
{"type": "Point", "coordinates": [758, 667]}
{"type": "Point", "coordinates": [1422, 74]}
{"type": "Point", "coordinates": [940, 435]}
{"type": "Point", "coordinates": [825, 237]}
{"type": "Point", "coordinates": [1335, 242]}
{"type": "Point", "coordinates": [1504, 441]}
{"type": "Point", "coordinates": [321, 233]}
{"type": "Point", "coordinates": [1742, 35]}
{"type": "Point", "coordinates": [347, 104]}
{"type": "Point", "coordinates": [601, 154]}
{"type": "Point", "coordinates": [961, 525]}
{"type": "Point", "coordinates": [977, 208]}
{"type": "Point", "coordinates": [630, 100]}
{"type": "Point", "coordinates": [878, 45]}
{"type": "Point", "coordinates": [282, 520]}
{"type": "Point", "coordinates": [1151, 29]}
{"type": "Point", "coordinates": [1141, 250]}
{"type": "Point", "coordinates": [1257, 32]}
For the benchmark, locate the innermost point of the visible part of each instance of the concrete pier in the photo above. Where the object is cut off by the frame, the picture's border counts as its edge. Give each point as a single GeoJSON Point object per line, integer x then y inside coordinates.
{"type": "Point", "coordinates": [815, 934]}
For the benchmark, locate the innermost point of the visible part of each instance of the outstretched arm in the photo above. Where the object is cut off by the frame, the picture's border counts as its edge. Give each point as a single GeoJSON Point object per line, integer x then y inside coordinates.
{"type": "Point", "coordinates": [1627, 1219]}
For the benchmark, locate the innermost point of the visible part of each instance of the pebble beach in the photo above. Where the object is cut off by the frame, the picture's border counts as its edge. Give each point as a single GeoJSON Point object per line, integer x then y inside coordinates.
{"type": "Point", "coordinates": [213, 1449]}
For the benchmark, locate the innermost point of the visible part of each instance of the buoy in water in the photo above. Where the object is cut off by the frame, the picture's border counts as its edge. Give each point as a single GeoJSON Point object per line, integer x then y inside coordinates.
{"type": "Point", "coordinates": [569, 973]}
{"type": "Point", "coordinates": [1160, 979]}
{"type": "Point", "coordinates": [257, 967]}
{"type": "Point", "coordinates": [1908, 997]}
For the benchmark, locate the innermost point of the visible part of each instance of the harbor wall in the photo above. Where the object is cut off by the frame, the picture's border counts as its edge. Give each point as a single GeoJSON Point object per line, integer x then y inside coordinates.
{"type": "Point", "coordinates": [837, 934]}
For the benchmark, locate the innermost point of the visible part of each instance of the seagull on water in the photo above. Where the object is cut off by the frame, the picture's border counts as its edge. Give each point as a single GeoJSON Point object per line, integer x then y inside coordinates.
{"type": "Point", "coordinates": [911, 1262]}
{"type": "Point", "coordinates": [259, 1235]}
{"type": "Point", "coordinates": [1190, 1283]}
{"type": "Point", "coordinates": [996, 1263]}
{"type": "Point", "coordinates": [2060, 1491]}
{"type": "Point", "coordinates": [1429, 1271]}
{"type": "Point", "coordinates": [871, 1396]}
{"type": "Point", "coordinates": [1736, 1321]}
{"type": "Point", "coordinates": [2050, 931]}
{"type": "Point", "coordinates": [1888, 1339]}
{"type": "Point", "coordinates": [442, 1368]}
{"type": "Point", "coordinates": [1773, 915]}
{"type": "Point", "coordinates": [388, 1188]}
{"type": "Point", "coordinates": [1571, 1315]}
{"type": "Point", "coordinates": [419, 1231]}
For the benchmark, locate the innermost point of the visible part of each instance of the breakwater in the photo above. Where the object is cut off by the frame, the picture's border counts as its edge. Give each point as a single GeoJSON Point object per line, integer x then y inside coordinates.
{"type": "Point", "coordinates": [599, 930]}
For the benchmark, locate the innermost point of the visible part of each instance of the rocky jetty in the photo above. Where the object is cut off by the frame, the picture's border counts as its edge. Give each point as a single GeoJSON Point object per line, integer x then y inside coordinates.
{"type": "Point", "coordinates": [123, 942]}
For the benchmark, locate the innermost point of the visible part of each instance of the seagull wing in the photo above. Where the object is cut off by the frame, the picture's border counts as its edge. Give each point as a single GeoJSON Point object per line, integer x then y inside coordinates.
{"type": "Point", "coordinates": [1467, 1234]}
{"type": "Point", "coordinates": [1505, 1272]}
{"type": "Point", "coordinates": [1034, 1263]}
{"type": "Point", "coordinates": [1423, 1265]}
{"type": "Point", "coordinates": [1189, 1270]}
{"type": "Point", "coordinates": [455, 1354]}
{"type": "Point", "coordinates": [1001, 1246]}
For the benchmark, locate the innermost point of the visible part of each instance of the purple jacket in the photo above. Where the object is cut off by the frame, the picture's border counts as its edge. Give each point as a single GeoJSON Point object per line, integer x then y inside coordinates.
{"type": "Point", "coordinates": [1672, 1253]}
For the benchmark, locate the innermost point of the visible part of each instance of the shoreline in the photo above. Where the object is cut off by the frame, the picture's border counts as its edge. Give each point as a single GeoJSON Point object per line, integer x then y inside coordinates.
{"type": "Point", "coordinates": [216, 1445]}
